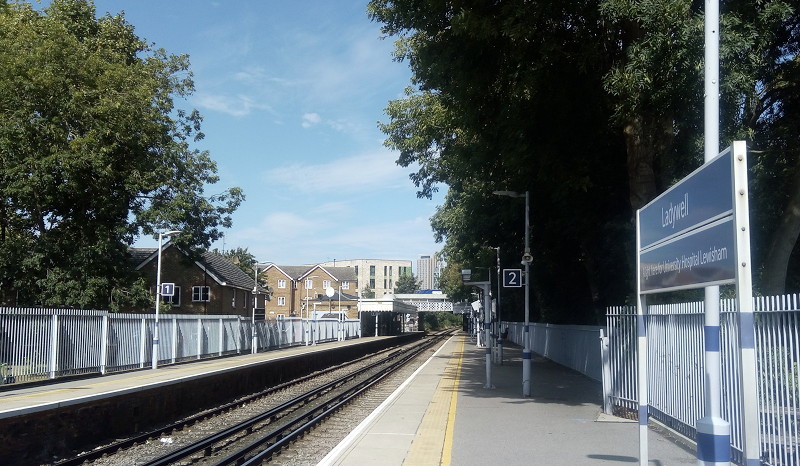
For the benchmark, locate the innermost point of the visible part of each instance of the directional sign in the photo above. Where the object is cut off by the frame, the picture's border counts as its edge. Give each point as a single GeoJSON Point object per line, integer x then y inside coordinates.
{"type": "Point", "coordinates": [703, 257]}
{"type": "Point", "coordinates": [512, 278]}
{"type": "Point", "coordinates": [167, 289]}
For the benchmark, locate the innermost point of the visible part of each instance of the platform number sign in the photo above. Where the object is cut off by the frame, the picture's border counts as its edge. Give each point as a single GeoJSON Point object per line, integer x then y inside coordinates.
{"type": "Point", "coordinates": [512, 278]}
{"type": "Point", "coordinates": [167, 289]}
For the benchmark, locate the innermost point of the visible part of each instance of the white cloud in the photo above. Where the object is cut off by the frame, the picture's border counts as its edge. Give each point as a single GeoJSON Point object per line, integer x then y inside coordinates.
{"type": "Point", "coordinates": [239, 105]}
{"type": "Point", "coordinates": [311, 119]}
{"type": "Point", "coordinates": [362, 172]}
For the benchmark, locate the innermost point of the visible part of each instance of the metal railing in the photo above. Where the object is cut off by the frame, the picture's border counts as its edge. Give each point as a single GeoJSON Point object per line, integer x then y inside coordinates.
{"type": "Point", "coordinates": [573, 346]}
{"type": "Point", "coordinates": [676, 370]}
{"type": "Point", "coordinates": [38, 344]}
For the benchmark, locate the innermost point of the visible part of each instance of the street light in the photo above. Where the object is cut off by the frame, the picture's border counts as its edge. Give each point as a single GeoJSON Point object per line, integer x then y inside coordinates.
{"type": "Point", "coordinates": [499, 329]}
{"type": "Point", "coordinates": [158, 294]}
{"type": "Point", "coordinates": [526, 259]}
{"type": "Point", "coordinates": [254, 344]}
{"type": "Point", "coordinates": [308, 313]}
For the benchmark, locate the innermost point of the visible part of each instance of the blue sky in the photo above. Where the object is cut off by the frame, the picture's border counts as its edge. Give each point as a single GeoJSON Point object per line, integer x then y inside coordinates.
{"type": "Point", "coordinates": [291, 93]}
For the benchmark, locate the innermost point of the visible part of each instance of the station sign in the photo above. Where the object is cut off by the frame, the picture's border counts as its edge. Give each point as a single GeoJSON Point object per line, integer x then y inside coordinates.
{"type": "Point", "coordinates": [687, 235]}
{"type": "Point", "coordinates": [703, 196]}
{"type": "Point", "coordinates": [512, 278]}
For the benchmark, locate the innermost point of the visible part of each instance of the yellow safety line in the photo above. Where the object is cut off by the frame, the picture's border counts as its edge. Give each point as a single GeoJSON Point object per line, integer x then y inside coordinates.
{"type": "Point", "coordinates": [432, 443]}
{"type": "Point", "coordinates": [447, 450]}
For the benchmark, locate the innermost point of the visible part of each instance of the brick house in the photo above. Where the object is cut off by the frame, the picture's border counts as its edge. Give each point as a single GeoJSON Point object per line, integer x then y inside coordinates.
{"type": "Point", "coordinates": [298, 290]}
{"type": "Point", "coordinates": [211, 285]}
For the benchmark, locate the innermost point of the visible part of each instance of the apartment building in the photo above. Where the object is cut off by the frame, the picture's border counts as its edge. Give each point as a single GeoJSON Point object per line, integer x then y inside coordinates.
{"type": "Point", "coordinates": [377, 274]}
{"type": "Point", "coordinates": [428, 271]}
{"type": "Point", "coordinates": [299, 291]}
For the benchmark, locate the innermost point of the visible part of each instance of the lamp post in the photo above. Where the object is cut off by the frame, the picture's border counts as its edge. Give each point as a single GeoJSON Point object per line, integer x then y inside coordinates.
{"type": "Point", "coordinates": [161, 236]}
{"type": "Point", "coordinates": [308, 313]}
{"type": "Point", "coordinates": [527, 258]}
{"type": "Point", "coordinates": [254, 343]}
{"type": "Point", "coordinates": [499, 329]}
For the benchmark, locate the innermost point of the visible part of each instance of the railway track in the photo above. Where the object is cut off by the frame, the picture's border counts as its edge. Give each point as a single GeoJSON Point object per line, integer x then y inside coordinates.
{"type": "Point", "coordinates": [263, 424]}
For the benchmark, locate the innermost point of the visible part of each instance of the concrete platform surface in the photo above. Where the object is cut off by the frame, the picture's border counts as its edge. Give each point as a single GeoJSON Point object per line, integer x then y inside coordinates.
{"type": "Point", "coordinates": [445, 415]}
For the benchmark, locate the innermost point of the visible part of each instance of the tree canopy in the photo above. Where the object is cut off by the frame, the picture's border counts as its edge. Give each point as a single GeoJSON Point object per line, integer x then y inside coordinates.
{"type": "Point", "coordinates": [94, 152]}
{"type": "Point", "coordinates": [594, 108]}
{"type": "Point", "coordinates": [406, 283]}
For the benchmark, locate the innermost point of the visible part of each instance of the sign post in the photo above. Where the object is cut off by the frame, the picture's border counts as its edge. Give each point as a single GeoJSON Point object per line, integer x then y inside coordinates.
{"type": "Point", "coordinates": [696, 235]}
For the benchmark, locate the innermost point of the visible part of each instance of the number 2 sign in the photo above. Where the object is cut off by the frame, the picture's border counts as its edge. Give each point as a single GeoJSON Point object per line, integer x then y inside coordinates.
{"type": "Point", "coordinates": [512, 278]}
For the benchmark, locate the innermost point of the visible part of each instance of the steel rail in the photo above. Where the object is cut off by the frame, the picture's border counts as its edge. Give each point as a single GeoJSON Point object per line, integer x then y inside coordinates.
{"type": "Point", "coordinates": [282, 436]}
{"type": "Point", "coordinates": [115, 447]}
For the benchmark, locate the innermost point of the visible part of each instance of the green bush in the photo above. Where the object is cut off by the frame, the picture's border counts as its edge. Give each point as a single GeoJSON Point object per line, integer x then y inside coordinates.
{"type": "Point", "coordinates": [432, 321]}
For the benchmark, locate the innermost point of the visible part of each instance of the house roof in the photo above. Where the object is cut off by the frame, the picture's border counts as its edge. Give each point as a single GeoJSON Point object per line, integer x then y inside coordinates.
{"type": "Point", "coordinates": [140, 255]}
{"type": "Point", "coordinates": [226, 270]}
{"type": "Point", "coordinates": [219, 268]}
{"type": "Point", "coordinates": [298, 272]}
{"type": "Point", "coordinates": [294, 272]}
{"type": "Point", "coordinates": [341, 273]}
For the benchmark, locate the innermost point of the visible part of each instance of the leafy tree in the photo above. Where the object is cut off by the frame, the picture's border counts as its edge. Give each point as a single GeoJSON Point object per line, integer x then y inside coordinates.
{"type": "Point", "coordinates": [368, 293]}
{"type": "Point", "coordinates": [407, 283]}
{"type": "Point", "coordinates": [594, 108]}
{"type": "Point", "coordinates": [533, 116]}
{"type": "Point", "coordinates": [246, 262]}
{"type": "Point", "coordinates": [452, 284]}
{"type": "Point", "coordinates": [659, 77]}
{"type": "Point", "coordinates": [240, 257]}
{"type": "Point", "coordinates": [93, 153]}
{"type": "Point", "coordinates": [432, 321]}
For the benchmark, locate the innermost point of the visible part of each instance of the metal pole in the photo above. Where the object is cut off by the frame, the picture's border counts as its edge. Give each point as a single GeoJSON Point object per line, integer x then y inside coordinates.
{"type": "Point", "coordinates": [744, 293]}
{"type": "Point", "coordinates": [341, 317]}
{"type": "Point", "coordinates": [487, 316]}
{"type": "Point", "coordinates": [161, 236]}
{"type": "Point", "coordinates": [158, 301]}
{"type": "Point", "coordinates": [254, 340]}
{"type": "Point", "coordinates": [713, 432]}
{"type": "Point", "coordinates": [499, 320]}
{"type": "Point", "coordinates": [526, 352]}
{"type": "Point", "coordinates": [306, 323]}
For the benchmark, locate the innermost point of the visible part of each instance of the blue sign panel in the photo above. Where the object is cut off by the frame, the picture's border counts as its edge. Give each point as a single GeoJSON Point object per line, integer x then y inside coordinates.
{"type": "Point", "coordinates": [704, 257]}
{"type": "Point", "coordinates": [702, 197]}
{"type": "Point", "coordinates": [167, 289]}
{"type": "Point", "coordinates": [512, 278]}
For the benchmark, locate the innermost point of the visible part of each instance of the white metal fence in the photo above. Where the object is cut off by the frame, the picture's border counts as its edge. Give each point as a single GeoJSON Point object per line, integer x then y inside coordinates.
{"type": "Point", "coordinates": [676, 370]}
{"type": "Point", "coordinates": [573, 346]}
{"type": "Point", "coordinates": [38, 344]}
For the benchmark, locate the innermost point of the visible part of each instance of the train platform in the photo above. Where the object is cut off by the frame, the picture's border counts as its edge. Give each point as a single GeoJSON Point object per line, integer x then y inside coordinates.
{"type": "Point", "coordinates": [41, 423]}
{"type": "Point", "coordinates": [28, 399]}
{"type": "Point", "coordinates": [443, 414]}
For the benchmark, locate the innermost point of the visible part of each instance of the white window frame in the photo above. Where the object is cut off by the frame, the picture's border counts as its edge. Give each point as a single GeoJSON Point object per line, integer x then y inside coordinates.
{"type": "Point", "coordinates": [345, 285]}
{"type": "Point", "coordinates": [309, 283]}
{"type": "Point", "coordinates": [281, 300]}
{"type": "Point", "coordinates": [326, 284]}
{"type": "Point", "coordinates": [281, 283]}
{"type": "Point", "coordinates": [200, 292]}
{"type": "Point", "coordinates": [175, 299]}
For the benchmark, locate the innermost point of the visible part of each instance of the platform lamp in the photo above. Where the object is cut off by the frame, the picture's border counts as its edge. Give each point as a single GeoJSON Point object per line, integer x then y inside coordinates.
{"type": "Point", "coordinates": [308, 311]}
{"type": "Point", "coordinates": [256, 266]}
{"type": "Point", "coordinates": [526, 260]}
{"type": "Point", "coordinates": [161, 236]}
